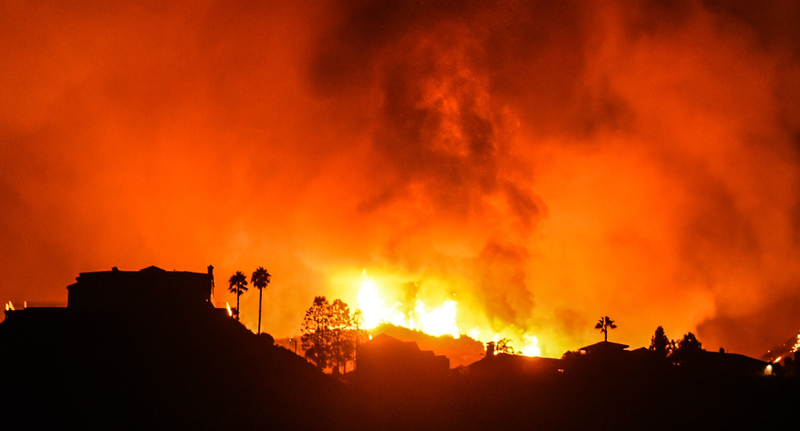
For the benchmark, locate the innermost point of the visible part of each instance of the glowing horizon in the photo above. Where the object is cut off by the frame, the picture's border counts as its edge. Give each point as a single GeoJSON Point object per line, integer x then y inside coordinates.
{"type": "Point", "coordinates": [537, 164]}
{"type": "Point", "coordinates": [431, 320]}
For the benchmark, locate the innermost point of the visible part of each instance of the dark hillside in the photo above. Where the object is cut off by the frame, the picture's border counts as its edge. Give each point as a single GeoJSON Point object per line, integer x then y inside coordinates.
{"type": "Point", "coordinates": [198, 370]}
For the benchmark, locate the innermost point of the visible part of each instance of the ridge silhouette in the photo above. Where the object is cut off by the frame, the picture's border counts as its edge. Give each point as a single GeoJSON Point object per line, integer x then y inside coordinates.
{"type": "Point", "coordinates": [147, 350]}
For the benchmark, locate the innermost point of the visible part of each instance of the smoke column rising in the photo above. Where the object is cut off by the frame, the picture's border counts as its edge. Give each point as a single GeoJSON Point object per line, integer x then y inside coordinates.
{"type": "Point", "coordinates": [544, 163]}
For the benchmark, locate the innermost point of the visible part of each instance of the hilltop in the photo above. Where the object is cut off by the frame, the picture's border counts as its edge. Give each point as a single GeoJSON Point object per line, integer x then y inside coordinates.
{"type": "Point", "coordinates": [107, 361]}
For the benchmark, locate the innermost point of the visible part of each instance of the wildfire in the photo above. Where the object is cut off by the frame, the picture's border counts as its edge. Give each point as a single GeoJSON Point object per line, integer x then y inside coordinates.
{"type": "Point", "coordinates": [9, 306]}
{"type": "Point", "coordinates": [433, 321]}
{"type": "Point", "coordinates": [530, 346]}
{"type": "Point", "coordinates": [436, 321]}
{"type": "Point", "coordinates": [228, 306]}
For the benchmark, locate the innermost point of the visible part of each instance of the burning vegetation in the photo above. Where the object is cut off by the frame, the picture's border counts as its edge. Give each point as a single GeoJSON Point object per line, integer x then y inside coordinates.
{"type": "Point", "coordinates": [502, 168]}
{"type": "Point", "coordinates": [381, 307]}
{"type": "Point", "coordinates": [150, 341]}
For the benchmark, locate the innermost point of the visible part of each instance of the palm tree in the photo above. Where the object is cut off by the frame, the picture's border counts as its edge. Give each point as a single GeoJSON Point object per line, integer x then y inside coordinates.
{"type": "Point", "coordinates": [260, 279]}
{"type": "Point", "coordinates": [238, 285]}
{"type": "Point", "coordinates": [604, 325]}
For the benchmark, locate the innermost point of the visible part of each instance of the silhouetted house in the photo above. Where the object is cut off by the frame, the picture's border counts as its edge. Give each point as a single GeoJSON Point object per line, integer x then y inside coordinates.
{"type": "Point", "coordinates": [506, 364]}
{"type": "Point", "coordinates": [727, 364]}
{"type": "Point", "coordinates": [125, 293]}
{"type": "Point", "coordinates": [645, 356]}
{"type": "Point", "coordinates": [604, 356]}
{"type": "Point", "coordinates": [603, 349]}
{"type": "Point", "coordinates": [386, 355]}
{"type": "Point", "coordinates": [119, 357]}
{"type": "Point", "coordinates": [151, 288]}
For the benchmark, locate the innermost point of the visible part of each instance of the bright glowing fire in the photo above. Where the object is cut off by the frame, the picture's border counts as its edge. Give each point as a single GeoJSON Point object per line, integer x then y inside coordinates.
{"type": "Point", "coordinates": [433, 321]}
{"type": "Point", "coordinates": [530, 346]}
{"type": "Point", "coordinates": [228, 306]}
{"type": "Point", "coordinates": [436, 321]}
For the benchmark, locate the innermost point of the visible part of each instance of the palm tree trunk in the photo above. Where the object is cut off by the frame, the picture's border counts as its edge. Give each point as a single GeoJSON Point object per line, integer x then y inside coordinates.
{"type": "Point", "coordinates": [260, 292]}
{"type": "Point", "coordinates": [238, 310]}
{"type": "Point", "coordinates": [605, 332]}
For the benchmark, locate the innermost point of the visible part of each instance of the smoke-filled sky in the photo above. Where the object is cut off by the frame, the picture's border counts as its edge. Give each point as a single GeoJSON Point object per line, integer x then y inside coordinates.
{"type": "Point", "coordinates": [542, 163]}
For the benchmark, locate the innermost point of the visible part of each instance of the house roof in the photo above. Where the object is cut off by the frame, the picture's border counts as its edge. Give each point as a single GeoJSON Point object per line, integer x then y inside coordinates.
{"type": "Point", "coordinates": [150, 271]}
{"type": "Point", "coordinates": [152, 268]}
{"type": "Point", "coordinates": [604, 346]}
{"type": "Point", "coordinates": [385, 341]}
{"type": "Point", "coordinates": [388, 340]}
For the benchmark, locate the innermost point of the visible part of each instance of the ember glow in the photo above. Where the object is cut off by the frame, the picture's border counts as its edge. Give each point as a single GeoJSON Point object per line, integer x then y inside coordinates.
{"type": "Point", "coordinates": [499, 167]}
{"type": "Point", "coordinates": [433, 321]}
{"type": "Point", "coordinates": [436, 321]}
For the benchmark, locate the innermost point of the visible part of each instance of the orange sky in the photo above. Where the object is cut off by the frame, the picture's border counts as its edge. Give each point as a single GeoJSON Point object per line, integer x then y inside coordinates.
{"type": "Point", "coordinates": [545, 163]}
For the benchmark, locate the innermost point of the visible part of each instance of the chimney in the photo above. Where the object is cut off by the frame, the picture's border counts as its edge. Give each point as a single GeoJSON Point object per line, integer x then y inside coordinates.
{"type": "Point", "coordinates": [211, 276]}
{"type": "Point", "coordinates": [489, 349]}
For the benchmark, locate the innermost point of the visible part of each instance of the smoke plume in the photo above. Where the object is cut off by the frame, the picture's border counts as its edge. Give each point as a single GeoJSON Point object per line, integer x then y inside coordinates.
{"type": "Point", "coordinates": [542, 163]}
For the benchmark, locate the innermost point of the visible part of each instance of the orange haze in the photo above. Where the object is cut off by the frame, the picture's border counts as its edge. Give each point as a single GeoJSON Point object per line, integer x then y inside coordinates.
{"type": "Point", "coordinates": [543, 163]}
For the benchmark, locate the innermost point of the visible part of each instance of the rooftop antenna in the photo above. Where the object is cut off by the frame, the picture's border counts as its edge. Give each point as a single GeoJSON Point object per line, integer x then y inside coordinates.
{"type": "Point", "coordinates": [211, 274]}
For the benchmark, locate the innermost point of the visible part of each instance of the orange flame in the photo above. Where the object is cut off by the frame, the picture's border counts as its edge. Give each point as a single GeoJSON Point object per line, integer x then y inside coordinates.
{"type": "Point", "coordinates": [230, 312]}
{"type": "Point", "coordinates": [436, 321]}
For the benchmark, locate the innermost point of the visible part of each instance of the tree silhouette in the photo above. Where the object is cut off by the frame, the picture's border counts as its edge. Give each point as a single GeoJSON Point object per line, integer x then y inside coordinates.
{"type": "Point", "coordinates": [604, 324]}
{"type": "Point", "coordinates": [238, 285]}
{"type": "Point", "coordinates": [341, 339]}
{"type": "Point", "coordinates": [331, 334]}
{"type": "Point", "coordinates": [660, 344]}
{"type": "Point", "coordinates": [503, 345]}
{"type": "Point", "coordinates": [689, 342]}
{"type": "Point", "coordinates": [316, 332]}
{"type": "Point", "coordinates": [357, 324]}
{"type": "Point", "coordinates": [689, 347]}
{"type": "Point", "coordinates": [260, 279]}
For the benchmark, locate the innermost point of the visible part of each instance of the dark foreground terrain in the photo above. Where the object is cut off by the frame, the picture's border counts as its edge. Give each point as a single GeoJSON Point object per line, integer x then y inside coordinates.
{"type": "Point", "coordinates": [206, 371]}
